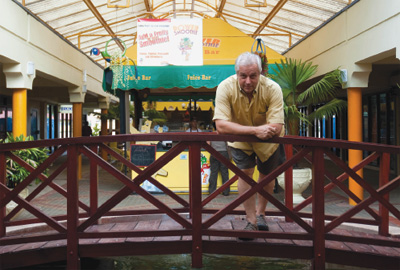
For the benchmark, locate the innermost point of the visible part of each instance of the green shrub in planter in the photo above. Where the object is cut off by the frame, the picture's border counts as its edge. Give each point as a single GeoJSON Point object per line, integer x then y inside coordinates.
{"type": "Point", "coordinates": [33, 156]}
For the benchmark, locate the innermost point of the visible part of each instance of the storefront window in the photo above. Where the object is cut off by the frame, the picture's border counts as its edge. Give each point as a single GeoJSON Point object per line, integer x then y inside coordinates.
{"type": "Point", "coordinates": [382, 119]}
{"type": "Point", "coordinates": [5, 117]}
{"type": "Point", "coordinates": [365, 123]}
{"type": "Point", "coordinates": [379, 122]}
{"type": "Point", "coordinates": [373, 119]}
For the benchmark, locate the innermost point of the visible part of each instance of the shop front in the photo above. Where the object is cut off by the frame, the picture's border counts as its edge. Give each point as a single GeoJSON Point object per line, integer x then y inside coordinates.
{"type": "Point", "coordinates": [182, 93]}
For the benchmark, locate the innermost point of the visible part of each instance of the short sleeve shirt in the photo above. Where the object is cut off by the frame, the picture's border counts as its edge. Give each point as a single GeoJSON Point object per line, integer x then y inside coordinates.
{"type": "Point", "coordinates": [266, 107]}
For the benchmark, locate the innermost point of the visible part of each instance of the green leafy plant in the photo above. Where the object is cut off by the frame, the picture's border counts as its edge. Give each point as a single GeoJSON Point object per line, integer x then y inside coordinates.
{"type": "Point", "coordinates": [157, 117]}
{"type": "Point", "coordinates": [96, 130]}
{"type": "Point", "coordinates": [32, 156]}
{"type": "Point", "coordinates": [113, 112]}
{"type": "Point", "coordinates": [290, 74]}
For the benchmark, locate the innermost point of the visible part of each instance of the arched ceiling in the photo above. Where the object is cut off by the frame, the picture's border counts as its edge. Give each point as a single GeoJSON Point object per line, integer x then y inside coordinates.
{"type": "Point", "coordinates": [91, 23]}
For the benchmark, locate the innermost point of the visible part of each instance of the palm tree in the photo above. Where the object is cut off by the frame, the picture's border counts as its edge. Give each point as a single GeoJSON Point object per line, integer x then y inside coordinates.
{"type": "Point", "coordinates": [289, 75]}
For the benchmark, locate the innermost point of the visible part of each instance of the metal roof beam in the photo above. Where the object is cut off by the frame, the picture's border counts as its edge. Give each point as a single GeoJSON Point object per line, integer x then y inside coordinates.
{"type": "Point", "coordinates": [148, 8]}
{"type": "Point", "coordinates": [220, 8]}
{"type": "Point", "coordinates": [191, 14]}
{"type": "Point", "coordinates": [270, 16]}
{"type": "Point", "coordinates": [97, 14]}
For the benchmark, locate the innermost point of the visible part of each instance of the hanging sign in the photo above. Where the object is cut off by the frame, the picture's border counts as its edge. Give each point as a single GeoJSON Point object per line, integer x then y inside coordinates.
{"type": "Point", "coordinates": [169, 77]}
{"type": "Point", "coordinates": [66, 109]}
{"type": "Point", "coordinates": [164, 42]}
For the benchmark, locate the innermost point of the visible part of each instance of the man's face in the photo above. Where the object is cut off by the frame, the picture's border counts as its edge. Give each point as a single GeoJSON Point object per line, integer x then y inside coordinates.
{"type": "Point", "coordinates": [193, 124]}
{"type": "Point", "coordinates": [248, 77]}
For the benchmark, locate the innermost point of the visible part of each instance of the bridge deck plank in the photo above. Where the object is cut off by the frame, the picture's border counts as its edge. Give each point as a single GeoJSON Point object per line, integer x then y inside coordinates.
{"type": "Point", "coordinates": [163, 222]}
{"type": "Point", "coordinates": [145, 225]}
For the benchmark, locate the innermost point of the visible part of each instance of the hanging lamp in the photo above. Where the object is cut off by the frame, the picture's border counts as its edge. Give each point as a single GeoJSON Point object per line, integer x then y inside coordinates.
{"type": "Point", "coordinates": [261, 51]}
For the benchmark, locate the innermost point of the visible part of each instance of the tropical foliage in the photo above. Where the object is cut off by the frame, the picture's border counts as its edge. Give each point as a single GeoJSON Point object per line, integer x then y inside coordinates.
{"type": "Point", "coordinates": [96, 130]}
{"type": "Point", "coordinates": [290, 74]}
{"type": "Point", "coordinates": [157, 117]}
{"type": "Point", "coordinates": [32, 156]}
{"type": "Point", "coordinates": [113, 112]}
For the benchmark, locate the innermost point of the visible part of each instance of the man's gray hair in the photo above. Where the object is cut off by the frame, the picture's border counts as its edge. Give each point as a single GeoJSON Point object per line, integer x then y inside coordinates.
{"type": "Point", "coordinates": [247, 59]}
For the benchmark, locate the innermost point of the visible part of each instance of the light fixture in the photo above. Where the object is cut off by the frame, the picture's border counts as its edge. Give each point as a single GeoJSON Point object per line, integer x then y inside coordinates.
{"type": "Point", "coordinates": [109, 5]}
{"type": "Point", "coordinates": [248, 3]}
{"type": "Point", "coordinates": [260, 46]}
{"type": "Point", "coordinates": [343, 74]}
{"type": "Point", "coordinates": [30, 68]}
{"type": "Point", "coordinates": [84, 75]}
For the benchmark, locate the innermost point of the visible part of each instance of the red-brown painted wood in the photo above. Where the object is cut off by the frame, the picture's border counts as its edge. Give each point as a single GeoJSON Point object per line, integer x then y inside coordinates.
{"type": "Point", "coordinates": [208, 230]}
{"type": "Point", "coordinates": [318, 211]}
{"type": "Point", "coordinates": [384, 172]}
{"type": "Point", "coordinates": [195, 201]}
{"type": "Point", "coordinates": [94, 183]}
{"type": "Point", "coordinates": [73, 260]}
{"type": "Point", "coordinates": [3, 181]}
{"type": "Point", "coordinates": [289, 181]}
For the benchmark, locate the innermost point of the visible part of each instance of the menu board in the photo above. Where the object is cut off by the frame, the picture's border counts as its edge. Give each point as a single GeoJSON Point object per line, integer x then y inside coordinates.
{"type": "Point", "coordinates": [143, 155]}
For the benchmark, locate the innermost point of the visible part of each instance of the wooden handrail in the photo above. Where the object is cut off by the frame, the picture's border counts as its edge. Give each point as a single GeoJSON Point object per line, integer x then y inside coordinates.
{"type": "Point", "coordinates": [202, 137]}
{"type": "Point", "coordinates": [312, 149]}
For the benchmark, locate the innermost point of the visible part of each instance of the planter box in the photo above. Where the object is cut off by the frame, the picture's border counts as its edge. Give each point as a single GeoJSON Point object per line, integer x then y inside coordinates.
{"type": "Point", "coordinates": [301, 180]}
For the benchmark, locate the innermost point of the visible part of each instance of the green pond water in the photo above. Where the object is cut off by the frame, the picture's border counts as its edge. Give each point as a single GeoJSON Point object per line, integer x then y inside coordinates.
{"type": "Point", "coordinates": [183, 262]}
{"type": "Point", "coordinates": [214, 262]}
{"type": "Point", "coordinates": [220, 262]}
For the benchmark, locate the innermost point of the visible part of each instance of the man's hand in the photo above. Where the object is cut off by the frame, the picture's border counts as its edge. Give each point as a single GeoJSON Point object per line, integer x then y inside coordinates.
{"type": "Point", "coordinates": [265, 132]}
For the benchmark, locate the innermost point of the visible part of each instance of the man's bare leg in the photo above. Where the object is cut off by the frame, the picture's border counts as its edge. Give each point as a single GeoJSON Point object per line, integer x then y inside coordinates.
{"type": "Point", "coordinates": [262, 202]}
{"type": "Point", "coordinates": [249, 204]}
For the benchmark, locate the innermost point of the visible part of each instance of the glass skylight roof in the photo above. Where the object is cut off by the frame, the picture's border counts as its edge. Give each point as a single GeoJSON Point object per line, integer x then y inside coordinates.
{"type": "Point", "coordinates": [91, 23]}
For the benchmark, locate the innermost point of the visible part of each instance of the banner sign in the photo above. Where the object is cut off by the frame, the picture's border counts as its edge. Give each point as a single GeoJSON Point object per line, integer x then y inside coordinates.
{"type": "Point", "coordinates": [164, 42]}
{"type": "Point", "coordinates": [168, 77]}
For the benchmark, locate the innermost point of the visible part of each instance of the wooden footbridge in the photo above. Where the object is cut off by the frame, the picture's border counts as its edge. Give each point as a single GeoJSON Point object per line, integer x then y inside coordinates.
{"type": "Point", "coordinates": [96, 228]}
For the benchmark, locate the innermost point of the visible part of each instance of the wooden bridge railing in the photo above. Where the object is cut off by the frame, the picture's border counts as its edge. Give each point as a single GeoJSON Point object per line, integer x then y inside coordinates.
{"type": "Point", "coordinates": [80, 215]}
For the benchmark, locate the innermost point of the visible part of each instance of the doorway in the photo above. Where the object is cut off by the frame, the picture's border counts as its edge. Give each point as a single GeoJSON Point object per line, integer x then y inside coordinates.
{"type": "Point", "coordinates": [34, 123]}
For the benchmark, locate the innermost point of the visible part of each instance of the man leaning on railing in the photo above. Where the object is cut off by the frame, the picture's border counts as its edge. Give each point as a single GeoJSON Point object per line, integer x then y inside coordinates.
{"type": "Point", "coordinates": [248, 103]}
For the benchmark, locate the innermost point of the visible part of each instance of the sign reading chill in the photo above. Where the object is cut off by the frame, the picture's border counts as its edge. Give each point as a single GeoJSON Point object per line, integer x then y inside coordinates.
{"type": "Point", "coordinates": [164, 42]}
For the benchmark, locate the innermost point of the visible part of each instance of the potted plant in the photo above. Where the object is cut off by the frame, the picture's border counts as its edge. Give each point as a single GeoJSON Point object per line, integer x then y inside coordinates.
{"type": "Point", "coordinates": [290, 75]}
{"type": "Point", "coordinates": [16, 173]}
{"type": "Point", "coordinates": [33, 156]}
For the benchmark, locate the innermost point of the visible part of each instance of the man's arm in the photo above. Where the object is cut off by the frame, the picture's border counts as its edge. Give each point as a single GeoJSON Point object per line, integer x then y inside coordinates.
{"type": "Point", "coordinates": [263, 132]}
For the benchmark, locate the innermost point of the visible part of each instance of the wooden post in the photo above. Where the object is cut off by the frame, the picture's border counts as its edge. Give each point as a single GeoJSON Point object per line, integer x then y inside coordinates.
{"type": "Point", "coordinates": [77, 130]}
{"type": "Point", "coordinates": [384, 171]}
{"type": "Point", "coordinates": [318, 209]}
{"type": "Point", "coordinates": [289, 182]}
{"type": "Point", "coordinates": [3, 180]}
{"type": "Point", "coordinates": [94, 183]}
{"type": "Point", "coordinates": [195, 202]}
{"type": "Point", "coordinates": [72, 210]}
{"type": "Point", "coordinates": [104, 131]}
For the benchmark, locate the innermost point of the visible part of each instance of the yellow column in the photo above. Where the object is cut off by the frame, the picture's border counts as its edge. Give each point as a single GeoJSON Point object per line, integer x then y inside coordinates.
{"type": "Point", "coordinates": [354, 101]}
{"type": "Point", "coordinates": [103, 130]}
{"type": "Point", "coordinates": [77, 130]}
{"type": "Point", "coordinates": [19, 112]}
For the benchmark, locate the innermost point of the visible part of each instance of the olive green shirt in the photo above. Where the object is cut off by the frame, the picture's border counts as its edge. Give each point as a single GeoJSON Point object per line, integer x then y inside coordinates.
{"type": "Point", "coordinates": [266, 107]}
